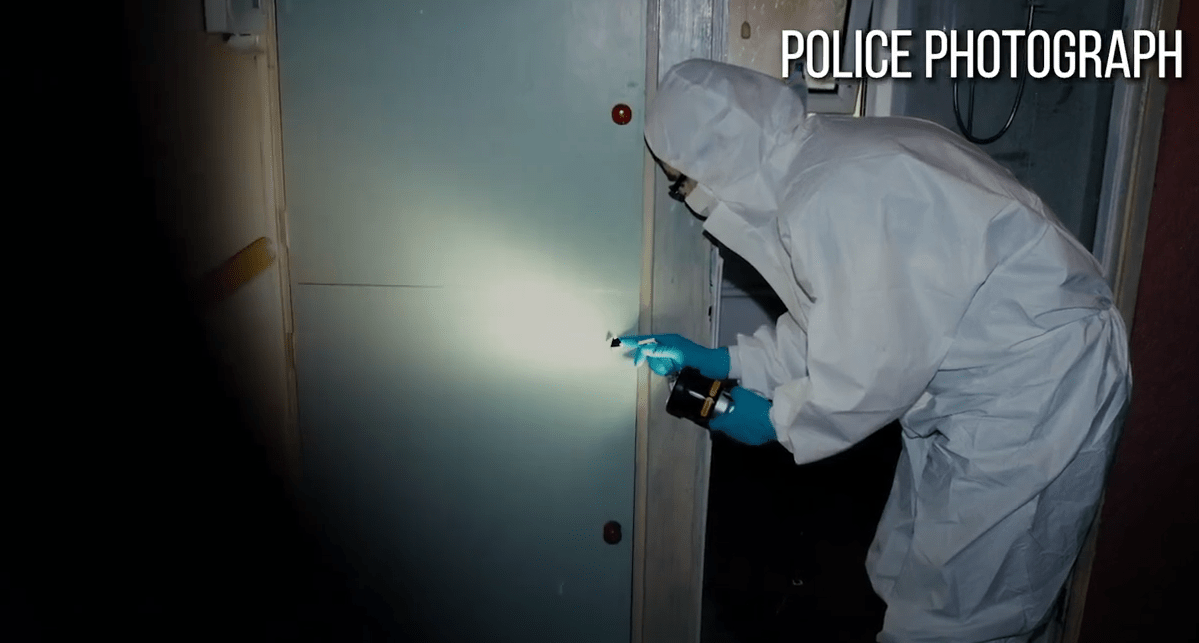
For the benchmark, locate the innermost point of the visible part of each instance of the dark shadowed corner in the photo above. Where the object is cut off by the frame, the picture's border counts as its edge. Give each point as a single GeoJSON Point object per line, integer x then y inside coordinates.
{"type": "Point", "coordinates": [137, 502]}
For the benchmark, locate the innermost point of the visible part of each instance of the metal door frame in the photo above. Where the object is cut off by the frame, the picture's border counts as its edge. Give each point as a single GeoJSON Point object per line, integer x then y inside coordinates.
{"type": "Point", "coordinates": [1130, 166]}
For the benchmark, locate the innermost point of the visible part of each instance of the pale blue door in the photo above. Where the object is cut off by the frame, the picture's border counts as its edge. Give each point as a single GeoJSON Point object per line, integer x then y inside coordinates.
{"type": "Point", "coordinates": [465, 230]}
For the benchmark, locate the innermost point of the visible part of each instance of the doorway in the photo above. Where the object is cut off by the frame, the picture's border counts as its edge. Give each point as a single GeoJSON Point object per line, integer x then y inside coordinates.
{"type": "Point", "coordinates": [785, 544]}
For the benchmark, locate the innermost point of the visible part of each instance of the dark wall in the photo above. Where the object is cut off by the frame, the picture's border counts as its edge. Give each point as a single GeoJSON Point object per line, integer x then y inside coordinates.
{"type": "Point", "coordinates": [1144, 578]}
{"type": "Point", "coordinates": [133, 500]}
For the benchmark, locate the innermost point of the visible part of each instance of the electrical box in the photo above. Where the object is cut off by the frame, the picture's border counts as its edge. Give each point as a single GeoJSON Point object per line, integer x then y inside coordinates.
{"type": "Point", "coordinates": [235, 17]}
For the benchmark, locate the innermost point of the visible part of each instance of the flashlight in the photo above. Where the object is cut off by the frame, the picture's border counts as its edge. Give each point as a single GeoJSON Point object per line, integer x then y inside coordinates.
{"type": "Point", "coordinates": [698, 398]}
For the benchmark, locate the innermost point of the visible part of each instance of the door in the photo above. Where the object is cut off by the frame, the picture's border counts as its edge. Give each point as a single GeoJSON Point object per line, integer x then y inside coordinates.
{"type": "Point", "coordinates": [465, 224]}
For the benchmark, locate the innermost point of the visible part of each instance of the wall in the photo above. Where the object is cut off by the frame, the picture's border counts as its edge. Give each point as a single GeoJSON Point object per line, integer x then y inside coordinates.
{"type": "Point", "coordinates": [437, 226]}
{"type": "Point", "coordinates": [207, 108]}
{"type": "Point", "coordinates": [766, 19]}
{"type": "Point", "coordinates": [135, 500]}
{"type": "Point", "coordinates": [1142, 586]}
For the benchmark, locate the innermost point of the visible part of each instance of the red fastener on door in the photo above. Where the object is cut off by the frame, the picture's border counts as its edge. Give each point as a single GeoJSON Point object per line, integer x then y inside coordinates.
{"type": "Point", "coordinates": [622, 114]}
{"type": "Point", "coordinates": [612, 532]}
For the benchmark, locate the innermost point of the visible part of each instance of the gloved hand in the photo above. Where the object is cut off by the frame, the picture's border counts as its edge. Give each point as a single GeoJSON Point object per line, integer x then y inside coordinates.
{"type": "Point", "coordinates": [670, 353]}
{"type": "Point", "coordinates": [749, 421]}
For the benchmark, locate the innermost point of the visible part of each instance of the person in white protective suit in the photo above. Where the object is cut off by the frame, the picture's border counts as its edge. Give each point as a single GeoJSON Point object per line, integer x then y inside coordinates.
{"type": "Point", "coordinates": [922, 283]}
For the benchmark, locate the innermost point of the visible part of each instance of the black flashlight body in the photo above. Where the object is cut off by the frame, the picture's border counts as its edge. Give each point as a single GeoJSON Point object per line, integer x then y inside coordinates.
{"type": "Point", "coordinates": [698, 398]}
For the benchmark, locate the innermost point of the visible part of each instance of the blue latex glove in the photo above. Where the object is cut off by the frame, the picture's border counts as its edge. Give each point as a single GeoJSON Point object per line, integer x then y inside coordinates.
{"type": "Point", "coordinates": [749, 421]}
{"type": "Point", "coordinates": [672, 352]}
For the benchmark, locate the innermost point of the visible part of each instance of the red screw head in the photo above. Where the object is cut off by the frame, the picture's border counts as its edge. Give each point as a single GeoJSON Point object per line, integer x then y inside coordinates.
{"type": "Point", "coordinates": [622, 114]}
{"type": "Point", "coordinates": [612, 532]}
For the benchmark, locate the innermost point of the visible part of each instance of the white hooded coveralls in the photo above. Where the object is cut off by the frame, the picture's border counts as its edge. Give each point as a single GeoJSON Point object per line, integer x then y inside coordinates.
{"type": "Point", "coordinates": [922, 283]}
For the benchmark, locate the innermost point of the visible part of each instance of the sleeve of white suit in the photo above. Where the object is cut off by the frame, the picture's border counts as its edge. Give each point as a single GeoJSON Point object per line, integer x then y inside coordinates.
{"type": "Point", "coordinates": [772, 356]}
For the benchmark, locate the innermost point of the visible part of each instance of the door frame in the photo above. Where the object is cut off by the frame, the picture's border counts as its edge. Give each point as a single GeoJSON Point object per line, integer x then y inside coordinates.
{"type": "Point", "coordinates": [679, 295]}
{"type": "Point", "coordinates": [1130, 165]}
{"type": "Point", "coordinates": [276, 204]}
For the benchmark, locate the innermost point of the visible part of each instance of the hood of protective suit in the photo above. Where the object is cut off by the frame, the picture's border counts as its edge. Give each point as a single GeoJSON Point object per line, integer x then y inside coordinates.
{"type": "Point", "coordinates": [739, 134]}
{"type": "Point", "coordinates": [810, 200]}
{"type": "Point", "coordinates": [731, 129]}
